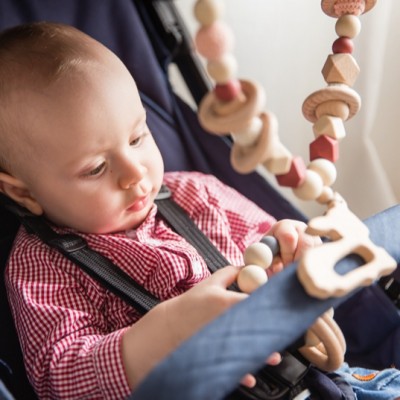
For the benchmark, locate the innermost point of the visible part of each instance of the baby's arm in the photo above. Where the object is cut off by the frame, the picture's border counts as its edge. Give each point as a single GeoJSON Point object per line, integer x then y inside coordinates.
{"type": "Point", "coordinates": [166, 326]}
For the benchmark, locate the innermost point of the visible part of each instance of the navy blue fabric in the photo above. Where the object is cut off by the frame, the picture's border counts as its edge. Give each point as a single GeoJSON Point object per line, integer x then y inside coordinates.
{"type": "Point", "coordinates": [272, 318]}
{"type": "Point", "coordinates": [375, 342]}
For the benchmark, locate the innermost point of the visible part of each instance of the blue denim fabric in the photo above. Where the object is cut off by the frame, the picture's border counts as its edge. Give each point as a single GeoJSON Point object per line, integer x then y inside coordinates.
{"type": "Point", "coordinates": [371, 384]}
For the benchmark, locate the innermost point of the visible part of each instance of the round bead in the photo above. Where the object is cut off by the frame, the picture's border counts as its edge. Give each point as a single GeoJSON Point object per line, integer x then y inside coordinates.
{"type": "Point", "coordinates": [249, 135]}
{"type": "Point", "coordinates": [222, 69]}
{"type": "Point", "coordinates": [348, 26]}
{"type": "Point", "coordinates": [212, 41]}
{"type": "Point", "coordinates": [326, 196]}
{"type": "Point", "coordinates": [227, 91]}
{"type": "Point", "coordinates": [325, 169]}
{"type": "Point", "coordinates": [272, 243]}
{"type": "Point", "coordinates": [311, 188]}
{"type": "Point", "coordinates": [343, 45]}
{"type": "Point", "coordinates": [251, 277]}
{"type": "Point", "coordinates": [258, 254]}
{"type": "Point", "coordinates": [207, 11]}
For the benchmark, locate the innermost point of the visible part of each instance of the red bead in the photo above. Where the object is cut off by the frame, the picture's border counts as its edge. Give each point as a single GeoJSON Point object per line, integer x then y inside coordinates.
{"type": "Point", "coordinates": [342, 45]}
{"type": "Point", "coordinates": [228, 91]}
{"type": "Point", "coordinates": [295, 176]}
{"type": "Point", "coordinates": [324, 147]}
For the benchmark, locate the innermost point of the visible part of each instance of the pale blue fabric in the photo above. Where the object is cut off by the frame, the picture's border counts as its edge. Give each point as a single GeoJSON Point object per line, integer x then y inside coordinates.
{"type": "Point", "coordinates": [371, 384]}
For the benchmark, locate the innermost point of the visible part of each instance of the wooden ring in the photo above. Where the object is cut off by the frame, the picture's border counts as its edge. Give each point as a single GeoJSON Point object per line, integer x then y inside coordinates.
{"type": "Point", "coordinates": [238, 120]}
{"type": "Point", "coordinates": [245, 159]}
{"type": "Point", "coordinates": [329, 354]}
{"type": "Point", "coordinates": [332, 92]}
{"type": "Point", "coordinates": [328, 6]}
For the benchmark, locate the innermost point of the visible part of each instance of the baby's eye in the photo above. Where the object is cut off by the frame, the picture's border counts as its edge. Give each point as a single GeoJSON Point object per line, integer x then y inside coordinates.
{"type": "Point", "coordinates": [136, 142]}
{"type": "Point", "coordinates": [98, 170]}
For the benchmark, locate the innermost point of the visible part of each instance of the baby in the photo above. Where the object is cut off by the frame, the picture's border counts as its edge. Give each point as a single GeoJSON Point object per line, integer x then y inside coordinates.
{"type": "Point", "coordinates": [75, 148]}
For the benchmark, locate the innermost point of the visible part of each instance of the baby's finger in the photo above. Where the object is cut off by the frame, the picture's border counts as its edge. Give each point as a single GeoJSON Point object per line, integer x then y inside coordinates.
{"type": "Point", "coordinates": [248, 380]}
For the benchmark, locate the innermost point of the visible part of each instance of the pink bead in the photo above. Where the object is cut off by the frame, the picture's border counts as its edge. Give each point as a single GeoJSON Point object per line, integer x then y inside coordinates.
{"type": "Point", "coordinates": [228, 91]}
{"type": "Point", "coordinates": [295, 176]}
{"type": "Point", "coordinates": [324, 147]}
{"type": "Point", "coordinates": [214, 40]}
{"type": "Point", "coordinates": [342, 45]}
{"type": "Point", "coordinates": [352, 7]}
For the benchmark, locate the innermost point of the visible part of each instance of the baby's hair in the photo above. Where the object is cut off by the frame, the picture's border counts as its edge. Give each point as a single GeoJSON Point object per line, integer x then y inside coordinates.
{"type": "Point", "coordinates": [33, 56]}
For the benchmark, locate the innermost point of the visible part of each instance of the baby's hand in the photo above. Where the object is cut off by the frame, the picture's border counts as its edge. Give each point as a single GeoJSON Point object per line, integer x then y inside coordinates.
{"type": "Point", "coordinates": [189, 312]}
{"type": "Point", "coordinates": [292, 242]}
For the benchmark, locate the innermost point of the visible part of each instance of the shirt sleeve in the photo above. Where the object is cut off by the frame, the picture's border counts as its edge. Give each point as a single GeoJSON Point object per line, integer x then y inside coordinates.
{"type": "Point", "coordinates": [69, 349]}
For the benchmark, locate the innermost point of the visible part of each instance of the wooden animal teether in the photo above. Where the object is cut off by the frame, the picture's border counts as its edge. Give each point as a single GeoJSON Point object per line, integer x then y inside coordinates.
{"type": "Point", "coordinates": [349, 236]}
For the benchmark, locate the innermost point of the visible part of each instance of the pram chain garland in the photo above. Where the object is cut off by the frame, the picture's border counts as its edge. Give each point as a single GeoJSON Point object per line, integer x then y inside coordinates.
{"type": "Point", "coordinates": [237, 106]}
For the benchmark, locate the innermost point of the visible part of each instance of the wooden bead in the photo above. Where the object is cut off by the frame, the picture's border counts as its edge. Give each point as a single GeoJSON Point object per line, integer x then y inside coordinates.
{"type": "Point", "coordinates": [222, 69]}
{"type": "Point", "coordinates": [334, 108]}
{"type": "Point", "coordinates": [258, 254]}
{"type": "Point", "coordinates": [251, 277]}
{"type": "Point", "coordinates": [324, 147]}
{"type": "Point", "coordinates": [295, 176]}
{"type": "Point", "coordinates": [330, 126]}
{"type": "Point", "coordinates": [341, 68]}
{"type": "Point", "coordinates": [208, 11]}
{"type": "Point", "coordinates": [325, 169]}
{"type": "Point", "coordinates": [249, 135]}
{"type": "Point", "coordinates": [241, 114]}
{"type": "Point", "coordinates": [343, 45]}
{"type": "Point", "coordinates": [335, 92]}
{"type": "Point", "coordinates": [348, 26]}
{"type": "Point", "coordinates": [228, 91]}
{"type": "Point", "coordinates": [280, 161]}
{"type": "Point", "coordinates": [311, 187]}
{"type": "Point", "coordinates": [326, 195]}
{"type": "Point", "coordinates": [212, 41]}
{"type": "Point", "coordinates": [245, 159]}
{"type": "Point", "coordinates": [272, 243]}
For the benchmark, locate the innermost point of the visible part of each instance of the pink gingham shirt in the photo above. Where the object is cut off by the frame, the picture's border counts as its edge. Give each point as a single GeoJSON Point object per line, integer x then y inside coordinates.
{"type": "Point", "coordinates": [70, 327]}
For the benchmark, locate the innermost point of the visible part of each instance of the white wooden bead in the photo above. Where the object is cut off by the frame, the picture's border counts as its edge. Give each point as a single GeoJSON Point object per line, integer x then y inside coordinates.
{"type": "Point", "coordinates": [326, 196]}
{"type": "Point", "coordinates": [325, 169]}
{"type": "Point", "coordinates": [258, 254]}
{"type": "Point", "coordinates": [280, 161]}
{"type": "Point", "coordinates": [223, 69]}
{"type": "Point", "coordinates": [330, 126]}
{"type": "Point", "coordinates": [251, 277]}
{"type": "Point", "coordinates": [249, 135]}
{"type": "Point", "coordinates": [348, 25]}
{"type": "Point", "coordinates": [208, 11]}
{"type": "Point", "coordinates": [311, 188]}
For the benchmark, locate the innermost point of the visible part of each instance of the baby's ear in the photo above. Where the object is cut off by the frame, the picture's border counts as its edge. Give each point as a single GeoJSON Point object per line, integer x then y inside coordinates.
{"type": "Point", "coordinates": [16, 190]}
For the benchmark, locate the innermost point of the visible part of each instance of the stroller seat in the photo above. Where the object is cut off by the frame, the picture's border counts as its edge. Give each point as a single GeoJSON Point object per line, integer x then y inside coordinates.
{"type": "Point", "coordinates": [148, 35]}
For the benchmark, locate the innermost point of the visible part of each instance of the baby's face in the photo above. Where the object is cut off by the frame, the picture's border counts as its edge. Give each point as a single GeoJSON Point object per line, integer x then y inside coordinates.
{"type": "Point", "coordinates": [93, 164]}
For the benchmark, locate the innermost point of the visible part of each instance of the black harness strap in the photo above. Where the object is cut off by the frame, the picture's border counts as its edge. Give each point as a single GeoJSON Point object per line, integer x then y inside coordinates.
{"type": "Point", "coordinates": [178, 219]}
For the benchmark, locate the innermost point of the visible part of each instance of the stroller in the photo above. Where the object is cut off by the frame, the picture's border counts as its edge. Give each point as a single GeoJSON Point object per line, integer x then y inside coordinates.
{"type": "Point", "coordinates": [149, 35]}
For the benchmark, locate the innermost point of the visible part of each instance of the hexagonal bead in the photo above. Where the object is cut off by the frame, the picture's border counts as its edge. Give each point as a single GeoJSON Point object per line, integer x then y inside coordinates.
{"type": "Point", "coordinates": [280, 161]}
{"type": "Point", "coordinates": [340, 68]}
{"type": "Point", "coordinates": [330, 126]}
{"type": "Point", "coordinates": [295, 176]}
{"type": "Point", "coordinates": [324, 147]}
